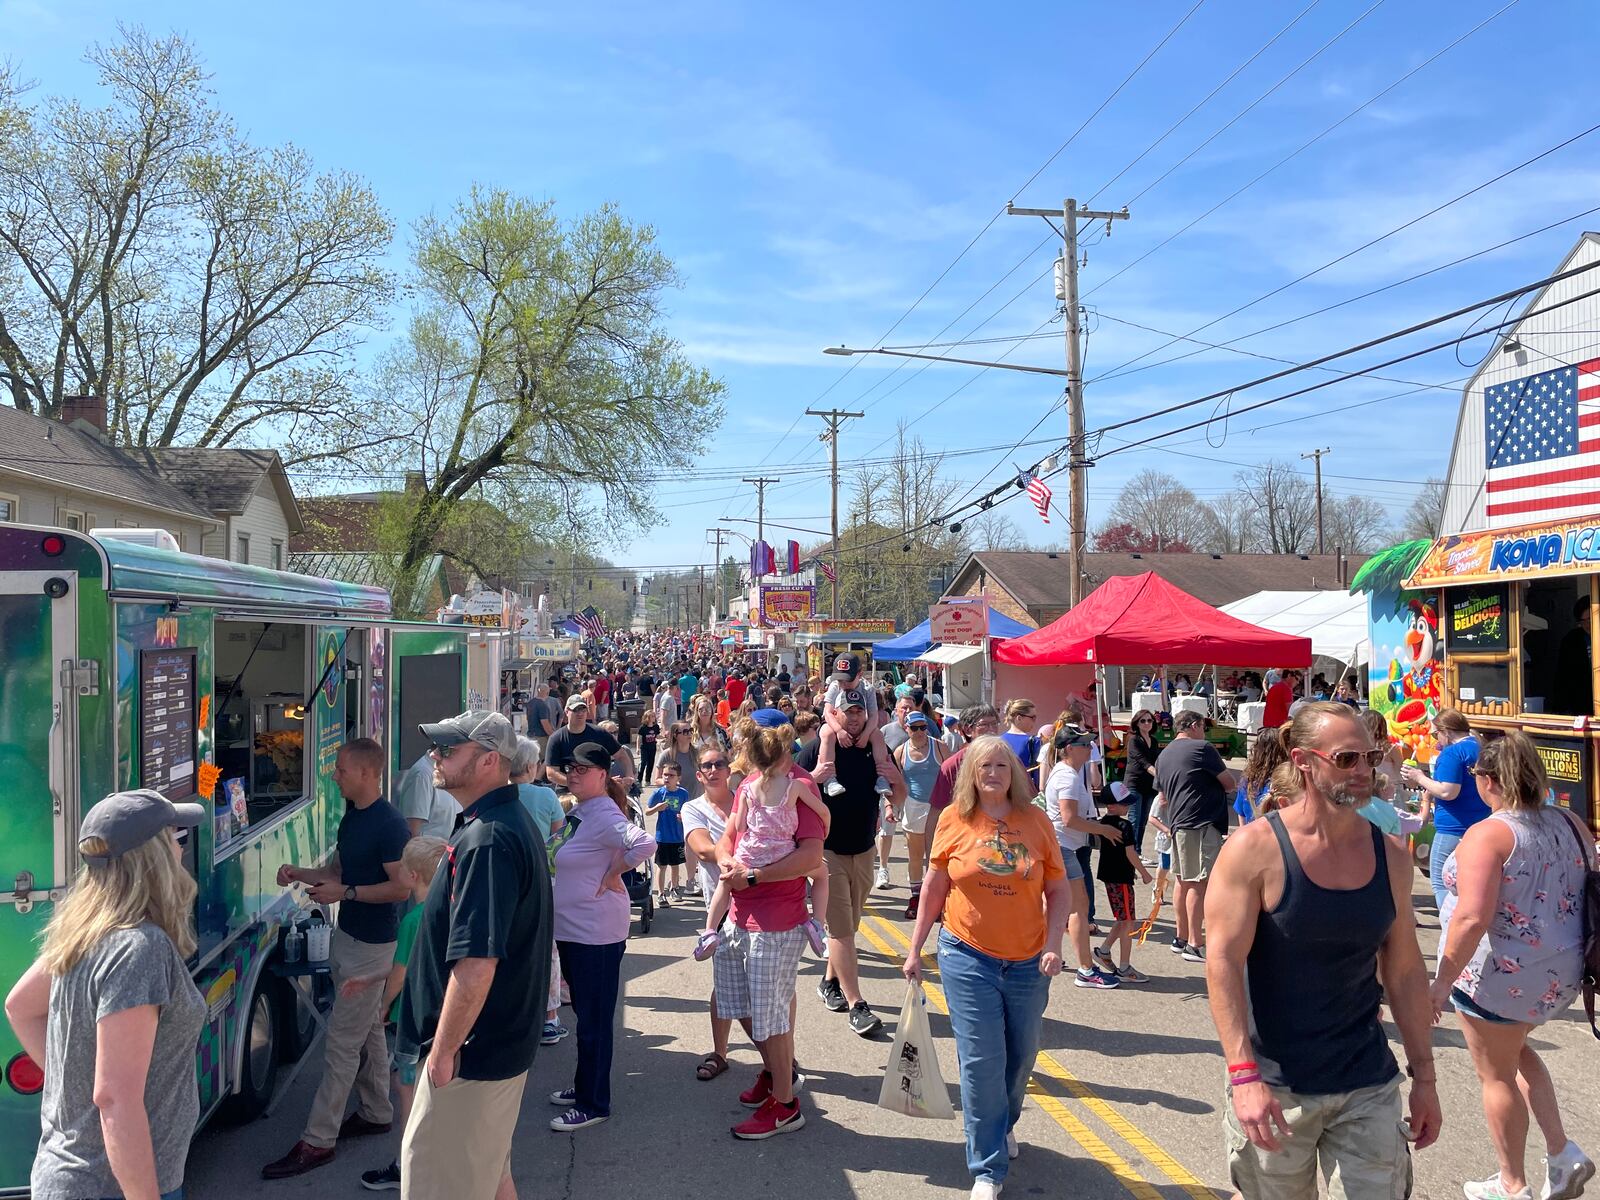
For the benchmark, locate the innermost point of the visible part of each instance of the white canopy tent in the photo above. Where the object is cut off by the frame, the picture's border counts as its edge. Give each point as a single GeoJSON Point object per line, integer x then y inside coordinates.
{"type": "Point", "coordinates": [1336, 622]}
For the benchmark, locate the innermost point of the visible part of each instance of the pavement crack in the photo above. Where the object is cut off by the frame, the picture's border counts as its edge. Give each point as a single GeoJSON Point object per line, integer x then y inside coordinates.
{"type": "Point", "coordinates": [572, 1167]}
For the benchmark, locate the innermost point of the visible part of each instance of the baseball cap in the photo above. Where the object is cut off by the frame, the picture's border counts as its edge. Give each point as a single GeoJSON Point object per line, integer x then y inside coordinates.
{"type": "Point", "coordinates": [490, 730]}
{"type": "Point", "coordinates": [576, 701]}
{"type": "Point", "coordinates": [914, 719]}
{"type": "Point", "coordinates": [125, 821]}
{"type": "Point", "coordinates": [853, 699]}
{"type": "Point", "coordinates": [1073, 735]}
{"type": "Point", "coordinates": [591, 754]}
{"type": "Point", "coordinates": [918, 695]}
{"type": "Point", "coordinates": [770, 718]}
{"type": "Point", "coordinates": [847, 664]}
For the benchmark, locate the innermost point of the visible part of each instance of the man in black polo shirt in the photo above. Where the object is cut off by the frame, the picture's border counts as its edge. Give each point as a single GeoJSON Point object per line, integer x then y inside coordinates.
{"type": "Point", "coordinates": [367, 882]}
{"type": "Point", "coordinates": [848, 854]}
{"type": "Point", "coordinates": [576, 730]}
{"type": "Point", "coordinates": [474, 1003]}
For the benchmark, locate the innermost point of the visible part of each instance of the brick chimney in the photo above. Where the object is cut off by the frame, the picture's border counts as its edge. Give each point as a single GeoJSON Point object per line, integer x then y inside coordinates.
{"type": "Point", "coordinates": [415, 484]}
{"type": "Point", "coordinates": [91, 410]}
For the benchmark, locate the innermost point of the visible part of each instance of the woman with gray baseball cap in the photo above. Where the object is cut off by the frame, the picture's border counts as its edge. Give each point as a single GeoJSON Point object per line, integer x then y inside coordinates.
{"type": "Point", "coordinates": [110, 1010]}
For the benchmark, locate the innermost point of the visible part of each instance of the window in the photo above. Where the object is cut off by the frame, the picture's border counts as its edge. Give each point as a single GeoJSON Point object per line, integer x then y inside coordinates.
{"type": "Point", "coordinates": [277, 555]}
{"type": "Point", "coordinates": [10, 508]}
{"type": "Point", "coordinates": [242, 542]}
{"type": "Point", "coordinates": [262, 674]}
{"type": "Point", "coordinates": [68, 519]}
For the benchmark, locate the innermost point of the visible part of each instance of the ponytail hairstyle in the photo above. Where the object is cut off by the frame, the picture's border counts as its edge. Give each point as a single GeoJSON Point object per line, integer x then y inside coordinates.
{"type": "Point", "coordinates": [1513, 763]}
{"type": "Point", "coordinates": [1452, 722]}
{"type": "Point", "coordinates": [618, 792]}
{"type": "Point", "coordinates": [1301, 730]}
{"type": "Point", "coordinates": [1019, 708]}
{"type": "Point", "coordinates": [765, 750]}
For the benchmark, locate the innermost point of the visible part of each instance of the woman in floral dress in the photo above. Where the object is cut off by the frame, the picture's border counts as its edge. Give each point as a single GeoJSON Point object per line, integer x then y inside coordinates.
{"type": "Point", "coordinates": [1512, 958]}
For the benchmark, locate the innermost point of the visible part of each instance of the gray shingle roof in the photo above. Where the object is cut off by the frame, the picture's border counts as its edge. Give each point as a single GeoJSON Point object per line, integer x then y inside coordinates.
{"type": "Point", "coordinates": [219, 480]}
{"type": "Point", "coordinates": [53, 452]}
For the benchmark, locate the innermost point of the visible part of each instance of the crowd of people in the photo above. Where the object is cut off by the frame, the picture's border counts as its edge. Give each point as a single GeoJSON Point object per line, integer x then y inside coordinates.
{"type": "Point", "coordinates": [495, 891]}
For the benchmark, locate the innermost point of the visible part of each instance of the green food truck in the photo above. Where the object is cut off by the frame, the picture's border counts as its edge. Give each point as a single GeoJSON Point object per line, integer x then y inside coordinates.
{"type": "Point", "coordinates": [124, 666]}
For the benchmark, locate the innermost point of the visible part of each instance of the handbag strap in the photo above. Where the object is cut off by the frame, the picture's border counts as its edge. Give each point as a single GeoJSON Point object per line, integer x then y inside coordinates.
{"type": "Point", "coordinates": [1588, 861]}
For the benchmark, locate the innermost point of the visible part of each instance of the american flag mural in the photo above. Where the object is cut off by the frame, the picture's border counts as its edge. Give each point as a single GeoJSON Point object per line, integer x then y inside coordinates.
{"type": "Point", "coordinates": [1542, 445]}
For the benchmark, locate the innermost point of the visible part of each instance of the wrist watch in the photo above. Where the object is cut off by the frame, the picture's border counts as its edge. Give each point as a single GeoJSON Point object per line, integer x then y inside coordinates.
{"type": "Point", "coordinates": [350, 892]}
{"type": "Point", "coordinates": [750, 879]}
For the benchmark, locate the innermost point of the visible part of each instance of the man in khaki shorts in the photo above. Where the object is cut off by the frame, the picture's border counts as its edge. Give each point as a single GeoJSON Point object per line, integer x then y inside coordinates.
{"type": "Point", "coordinates": [848, 854]}
{"type": "Point", "coordinates": [1196, 783]}
{"type": "Point", "coordinates": [1312, 1083]}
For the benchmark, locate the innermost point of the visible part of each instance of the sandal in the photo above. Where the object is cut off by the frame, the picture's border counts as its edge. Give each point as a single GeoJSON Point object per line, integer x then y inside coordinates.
{"type": "Point", "coordinates": [710, 1067]}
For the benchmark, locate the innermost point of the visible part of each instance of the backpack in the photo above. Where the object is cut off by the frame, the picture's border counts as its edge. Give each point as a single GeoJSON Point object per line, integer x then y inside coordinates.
{"type": "Point", "coordinates": [1589, 902]}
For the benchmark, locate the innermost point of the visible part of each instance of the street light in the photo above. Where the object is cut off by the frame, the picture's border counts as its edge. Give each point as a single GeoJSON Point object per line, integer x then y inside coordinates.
{"type": "Point", "coordinates": [962, 362]}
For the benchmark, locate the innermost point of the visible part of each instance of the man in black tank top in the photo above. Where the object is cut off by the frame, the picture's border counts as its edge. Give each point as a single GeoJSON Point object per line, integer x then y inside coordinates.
{"type": "Point", "coordinates": [1307, 912]}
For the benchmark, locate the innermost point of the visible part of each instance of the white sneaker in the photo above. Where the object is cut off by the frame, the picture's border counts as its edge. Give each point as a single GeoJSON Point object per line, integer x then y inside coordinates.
{"type": "Point", "coordinates": [883, 878]}
{"type": "Point", "coordinates": [985, 1189]}
{"type": "Point", "coordinates": [1566, 1173]}
{"type": "Point", "coordinates": [1012, 1149]}
{"type": "Point", "coordinates": [1492, 1189]}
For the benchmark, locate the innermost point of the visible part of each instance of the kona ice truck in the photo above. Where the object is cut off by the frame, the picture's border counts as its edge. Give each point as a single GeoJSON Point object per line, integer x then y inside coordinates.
{"type": "Point", "coordinates": [126, 666]}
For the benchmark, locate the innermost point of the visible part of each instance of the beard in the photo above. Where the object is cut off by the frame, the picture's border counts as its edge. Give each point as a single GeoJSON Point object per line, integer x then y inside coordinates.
{"type": "Point", "coordinates": [1350, 795]}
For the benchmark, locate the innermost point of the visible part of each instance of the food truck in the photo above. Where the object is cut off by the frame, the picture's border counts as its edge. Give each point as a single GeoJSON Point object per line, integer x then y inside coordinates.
{"type": "Point", "coordinates": [129, 666]}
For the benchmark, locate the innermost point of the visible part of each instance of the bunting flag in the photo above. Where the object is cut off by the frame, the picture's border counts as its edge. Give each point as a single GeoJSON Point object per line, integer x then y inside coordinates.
{"type": "Point", "coordinates": [1039, 492]}
{"type": "Point", "coordinates": [794, 559]}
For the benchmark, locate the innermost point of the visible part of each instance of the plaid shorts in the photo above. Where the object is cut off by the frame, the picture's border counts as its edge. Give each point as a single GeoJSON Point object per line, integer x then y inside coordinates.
{"type": "Point", "coordinates": [1121, 897]}
{"type": "Point", "coordinates": [753, 973]}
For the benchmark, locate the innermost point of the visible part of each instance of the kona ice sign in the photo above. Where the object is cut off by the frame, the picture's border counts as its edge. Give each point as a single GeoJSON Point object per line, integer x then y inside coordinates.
{"type": "Point", "coordinates": [1570, 548]}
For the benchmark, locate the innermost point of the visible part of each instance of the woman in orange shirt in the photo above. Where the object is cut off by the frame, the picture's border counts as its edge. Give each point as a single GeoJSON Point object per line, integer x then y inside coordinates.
{"type": "Point", "coordinates": [997, 878]}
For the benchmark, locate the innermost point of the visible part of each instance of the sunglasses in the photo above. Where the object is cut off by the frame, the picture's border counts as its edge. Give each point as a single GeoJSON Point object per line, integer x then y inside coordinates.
{"type": "Point", "coordinates": [714, 764]}
{"type": "Point", "coordinates": [444, 752]}
{"type": "Point", "coordinates": [1344, 760]}
{"type": "Point", "coordinates": [1145, 721]}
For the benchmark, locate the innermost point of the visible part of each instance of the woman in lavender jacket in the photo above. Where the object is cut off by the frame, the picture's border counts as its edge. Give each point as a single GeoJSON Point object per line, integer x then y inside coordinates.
{"type": "Point", "coordinates": [592, 913]}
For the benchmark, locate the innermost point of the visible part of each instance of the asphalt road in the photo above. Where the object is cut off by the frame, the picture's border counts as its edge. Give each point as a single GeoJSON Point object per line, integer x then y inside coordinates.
{"type": "Point", "coordinates": [1124, 1100]}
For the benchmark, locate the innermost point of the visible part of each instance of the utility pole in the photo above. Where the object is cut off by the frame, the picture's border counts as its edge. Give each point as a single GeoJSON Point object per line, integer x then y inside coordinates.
{"type": "Point", "coordinates": [761, 505]}
{"type": "Point", "coordinates": [1077, 453]}
{"type": "Point", "coordinates": [722, 577]}
{"type": "Point", "coordinates": [702, 603]}
{"type": "Point", "coordinates": [834, 417]}
{"type": "Point", "coordinates": [1317, 454]}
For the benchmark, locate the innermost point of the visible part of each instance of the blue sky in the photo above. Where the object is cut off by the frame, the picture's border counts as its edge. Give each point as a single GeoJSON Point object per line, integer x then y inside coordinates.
{"type": "Point", "coordinates": [812, 169]}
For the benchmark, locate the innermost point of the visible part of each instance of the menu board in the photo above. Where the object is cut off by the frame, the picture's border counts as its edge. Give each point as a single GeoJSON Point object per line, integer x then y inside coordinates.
{"type": "Point", "coordinates": [167, 745]}
{"type": "Point", "coordinates": [1476, 619]}
{"type": "Point", "coordinates": [1566, 764]}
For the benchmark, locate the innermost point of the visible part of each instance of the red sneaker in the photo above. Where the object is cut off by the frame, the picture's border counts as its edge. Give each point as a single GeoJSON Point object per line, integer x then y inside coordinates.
{"type": "Point", "coordinates": [760, 1091]}
{"type": "Point", "coordinates": [771, 1119]}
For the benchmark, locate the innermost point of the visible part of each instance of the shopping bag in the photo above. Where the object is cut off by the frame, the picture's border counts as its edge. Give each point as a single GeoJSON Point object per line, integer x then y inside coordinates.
{"type": "Point", "coordinates": [912, 1084]}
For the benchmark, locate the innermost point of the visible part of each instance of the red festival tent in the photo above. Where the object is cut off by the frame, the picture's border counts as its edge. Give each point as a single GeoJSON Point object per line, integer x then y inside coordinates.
{"type": "Point", "coordinates": [1139, 620]}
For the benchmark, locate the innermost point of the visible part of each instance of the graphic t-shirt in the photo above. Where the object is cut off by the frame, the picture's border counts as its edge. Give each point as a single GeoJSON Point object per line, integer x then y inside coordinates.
{"type": "Point", "coordinates": [997, 874]}
{"type": "Point", "coordinates": [669, 821]}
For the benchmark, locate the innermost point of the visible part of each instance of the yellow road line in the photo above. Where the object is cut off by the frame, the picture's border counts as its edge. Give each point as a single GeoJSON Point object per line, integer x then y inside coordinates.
{"type": "Point", "coordinates": [1091, 1142]}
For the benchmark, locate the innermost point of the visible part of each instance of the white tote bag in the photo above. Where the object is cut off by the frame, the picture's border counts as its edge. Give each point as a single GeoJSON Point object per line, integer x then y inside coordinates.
{"type": "Point", "coordinates": [913, 1084]}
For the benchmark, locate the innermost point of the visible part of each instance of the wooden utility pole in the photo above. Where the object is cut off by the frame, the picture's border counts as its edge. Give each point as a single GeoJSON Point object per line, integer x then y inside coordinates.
{"type": "Point", "coordinates": [1077, 452]}
{"type": "Point", "coordinates": [834, 417]}
{"type": "Point", "coordinates": [1317, 454]}
{"type": "Point", "coordinates": [761, 505]}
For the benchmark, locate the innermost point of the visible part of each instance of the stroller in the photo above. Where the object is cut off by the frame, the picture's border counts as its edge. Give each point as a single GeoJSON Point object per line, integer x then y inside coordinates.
{"type": "Point", "coordinates": [638, 880]}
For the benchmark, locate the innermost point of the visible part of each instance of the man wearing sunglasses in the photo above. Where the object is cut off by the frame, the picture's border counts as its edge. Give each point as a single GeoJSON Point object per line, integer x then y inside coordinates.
{"type": "Point", "coordinates": [1312, 905]}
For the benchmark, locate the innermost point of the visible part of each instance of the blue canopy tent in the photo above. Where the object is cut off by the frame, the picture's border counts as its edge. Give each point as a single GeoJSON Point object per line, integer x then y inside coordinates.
{"type": "Point", "coordinates": [913, 645]}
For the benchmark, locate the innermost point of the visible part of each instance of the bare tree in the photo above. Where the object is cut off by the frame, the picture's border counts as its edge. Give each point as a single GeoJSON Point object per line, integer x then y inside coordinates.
{"type": "Point", "coordinates": [1160, 507]}
{"type": "Point", "coordinates": [1425, 517]}
{"type": "Point", "coordinates": [1286, 506]}
{"type": "Point", "coordinates": [207, 290]}
{"type": "Point", "coordinates": [993, 531]}
{"type": "Point", "coordinates": [1355, 524]}
{"type": "Point", "coordinates": [1234, 527]}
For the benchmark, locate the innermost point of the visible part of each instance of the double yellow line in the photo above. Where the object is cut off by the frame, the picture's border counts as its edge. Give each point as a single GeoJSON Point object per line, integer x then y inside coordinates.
{"type": "Point", "coordinates": [881, 933]}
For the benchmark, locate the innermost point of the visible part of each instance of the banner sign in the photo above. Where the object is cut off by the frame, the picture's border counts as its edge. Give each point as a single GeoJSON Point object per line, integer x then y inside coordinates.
{"type": "Point", "coordinates": [1477, 620]}
{"type": "Point", "coordinates": [782, 606]}
{"type": "Point", "coordinates": [1529, 551]}
{"type": "Point", "coordinates": [958, 624]}
{"type": "Point", "coordinates": [1566, 765]}
{"type": "Point", "coordinates": [549, 649]}
{"type": "Point", "coordinates": [864, 625]}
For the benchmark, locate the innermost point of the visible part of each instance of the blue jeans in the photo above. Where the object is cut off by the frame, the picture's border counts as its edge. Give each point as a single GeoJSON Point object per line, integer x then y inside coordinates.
{"type": "Point", "coordinates": [1139, 816]}
{"type": "Point", "coordinates": [594, 977]}
{"type": "Point", "coordinates": [996, 1009]}
{"type": "Point", "coordinates": [1444, 845]}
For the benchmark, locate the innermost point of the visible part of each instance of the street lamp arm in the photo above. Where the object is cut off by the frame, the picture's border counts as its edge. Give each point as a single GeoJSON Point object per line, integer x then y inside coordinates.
{"type": "Point", "coordinates": [960, 362]}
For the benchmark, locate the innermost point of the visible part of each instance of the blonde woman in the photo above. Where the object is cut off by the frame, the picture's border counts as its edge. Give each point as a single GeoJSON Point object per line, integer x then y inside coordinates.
{"type": "Point", "coordinates": [110, 1011]}
{"type": "Point", "coordinates": [704, 732]}
{"type": "Point", "coordinates": [997, 880]}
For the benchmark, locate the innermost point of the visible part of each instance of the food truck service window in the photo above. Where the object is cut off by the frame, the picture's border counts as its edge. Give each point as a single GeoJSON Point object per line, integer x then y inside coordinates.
{"type": "Point", "coordinates": [263, 674]}
{"type": "Point", "coordinates": [1556, 664]}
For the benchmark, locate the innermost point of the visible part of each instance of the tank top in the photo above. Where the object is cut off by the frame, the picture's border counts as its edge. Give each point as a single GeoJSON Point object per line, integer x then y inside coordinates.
{"type": "Point", "coordinates": [1529, 965]}
{"type": "Point", "coordinates": [921, 774]}
{"type": "Point", "coordinates": [1312, 976]}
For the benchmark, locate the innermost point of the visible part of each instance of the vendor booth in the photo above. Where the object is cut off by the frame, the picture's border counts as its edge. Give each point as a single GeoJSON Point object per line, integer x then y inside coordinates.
{"type": "Point", "coordinates": [1133, 620]}
{"type": "Point", "coordinates": [913, 646]}
{"type": "Point", "coordinates": [1336, 623]}
{"type": "Point", "coordinates": [821, 641]}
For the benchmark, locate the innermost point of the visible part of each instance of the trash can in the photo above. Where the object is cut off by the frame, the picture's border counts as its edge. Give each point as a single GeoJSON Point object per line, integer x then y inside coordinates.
{"type": "Point", "coordinates": [630, 716]}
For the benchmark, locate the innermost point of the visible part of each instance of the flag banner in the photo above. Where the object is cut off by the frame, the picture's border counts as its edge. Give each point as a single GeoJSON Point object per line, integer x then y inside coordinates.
{"type": "Point", "coordinates": [827, 570]}
{"type": "Point", "coordinates": [1541, 445]}
{"type": "Point", "coordinates": [1039, 492]}
{"type": "Point", "coordinates": [792, 565]}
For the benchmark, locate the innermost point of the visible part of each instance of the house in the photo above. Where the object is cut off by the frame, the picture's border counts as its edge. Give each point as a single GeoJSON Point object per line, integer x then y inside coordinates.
{"type": "Point", "coordinates": [248, 492]}
{"type": "Point", "coordinates": [225, 503]}
{"type": "Point", "coordinates": [64, 473]}
{"type": "Point", "coordinates": [1031, 586]}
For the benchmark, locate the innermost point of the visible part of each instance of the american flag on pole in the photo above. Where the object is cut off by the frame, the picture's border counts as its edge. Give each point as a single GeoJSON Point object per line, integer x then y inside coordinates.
{"type": "Point", "coordinates": [827, 570]}
{"type": "Point", "coordinates": [591, 621]}
{"type": "Point", "coordinates": [1542, 445]}
{"type": "Point", "coordinates": [1039, 492]}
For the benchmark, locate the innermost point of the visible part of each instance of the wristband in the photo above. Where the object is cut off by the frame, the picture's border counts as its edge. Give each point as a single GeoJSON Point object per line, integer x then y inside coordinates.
{"type": "Point", "coordinates": [1241, 1080]}
{"type": "Point", "coordinates": [1244, 1066]}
